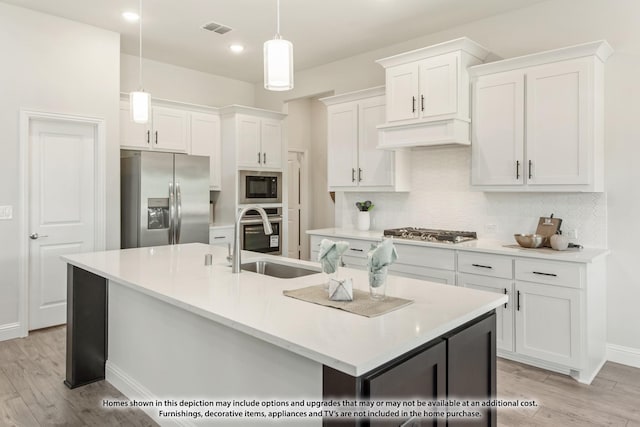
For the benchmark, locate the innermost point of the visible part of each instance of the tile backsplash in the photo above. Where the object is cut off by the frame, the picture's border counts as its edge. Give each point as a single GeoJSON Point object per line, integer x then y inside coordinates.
{"type": "Point", "coordinates": [441, 197]}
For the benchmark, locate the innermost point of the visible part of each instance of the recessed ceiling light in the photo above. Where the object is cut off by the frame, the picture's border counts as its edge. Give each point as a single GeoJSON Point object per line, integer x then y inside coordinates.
{"type": "Point", "coordinates": [236, 48]}
{"type": "Point", "coordinates": [130, 16]}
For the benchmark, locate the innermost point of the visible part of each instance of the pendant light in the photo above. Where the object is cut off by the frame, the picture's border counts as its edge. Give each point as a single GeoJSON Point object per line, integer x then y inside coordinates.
{"type": "Point", "coordinates": [278, 61]}
{"type": "Point", "coordinates": [140, 100]}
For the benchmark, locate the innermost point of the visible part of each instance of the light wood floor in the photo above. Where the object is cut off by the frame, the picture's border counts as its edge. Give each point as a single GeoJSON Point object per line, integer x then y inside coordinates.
{"type": "Point", "coordinates": [32, 392]}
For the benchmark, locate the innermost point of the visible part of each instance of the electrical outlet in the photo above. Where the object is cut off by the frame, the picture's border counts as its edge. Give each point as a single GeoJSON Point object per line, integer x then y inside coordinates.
{"type": "Point", "coordinates": [6, 212]}
{"type": "Point", "coordinates": [572, 234]}
{"type": "Point", "coordinates": [491, 228]}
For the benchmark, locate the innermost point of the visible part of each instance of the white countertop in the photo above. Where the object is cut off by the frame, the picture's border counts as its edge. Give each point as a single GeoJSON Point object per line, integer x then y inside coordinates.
{"type": "Point", "coordinates": [254, 304]}
{"type": "Point", "coordinates": [481, 245]}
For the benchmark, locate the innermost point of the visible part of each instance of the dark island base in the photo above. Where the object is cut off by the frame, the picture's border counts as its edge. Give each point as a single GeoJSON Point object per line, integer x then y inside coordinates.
{"type": "Point", "coordinates": [459, 365]}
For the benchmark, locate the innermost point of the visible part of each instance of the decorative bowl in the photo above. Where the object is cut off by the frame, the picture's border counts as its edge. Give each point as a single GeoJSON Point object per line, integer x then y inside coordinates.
{"type": "Point", "coordinates": [529, 240]}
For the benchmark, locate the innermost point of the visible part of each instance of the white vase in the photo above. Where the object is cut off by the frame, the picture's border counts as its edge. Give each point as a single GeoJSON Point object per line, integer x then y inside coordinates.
{"type": "Point", "coordinates": [364, 220]}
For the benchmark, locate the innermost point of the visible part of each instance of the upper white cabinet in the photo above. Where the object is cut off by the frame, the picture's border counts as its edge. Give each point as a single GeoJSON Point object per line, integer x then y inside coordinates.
{"type": "Point", "coordinates": [353, 160]}
{"type": "Point", "coordinates": [257, 134]}
{"type": "Point", "coordinates": [176, 130]}
{"type": "Point", "coordinates": [427, 95]}
{"type": "Point", "coordinates": [538, 121]}
{"type": "Point", "coordinates": [205, 141]}
{"type": "Point", "coordinates": [166, 131]}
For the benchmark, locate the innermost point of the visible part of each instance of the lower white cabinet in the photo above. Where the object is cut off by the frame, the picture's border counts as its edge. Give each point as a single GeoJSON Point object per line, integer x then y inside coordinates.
{"type": "Point", "coordinates": [504, 313]}
{"type": "Point", "coordinates": [425, 263]}
{"type": "Point", "coordinates": [548, 323]}
{"type": "Point", "coordinates": [221, 235]}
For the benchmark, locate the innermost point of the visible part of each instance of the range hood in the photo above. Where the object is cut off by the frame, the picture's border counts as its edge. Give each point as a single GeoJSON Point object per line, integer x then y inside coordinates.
{"type": "Point", "coordinates": [428, 95]}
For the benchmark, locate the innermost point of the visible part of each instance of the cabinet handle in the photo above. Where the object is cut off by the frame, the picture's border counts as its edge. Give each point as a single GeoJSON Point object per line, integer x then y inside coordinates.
{"type": "Point", "coordinates": [258, 157]}
{"type": "Point", "coordinates": [545, 274]}
{"type": "Point", "coordinates": [505, 292]}
{"type": "Point", "coordinates": [148, 136]}
{"type": "Point", "coordinates": [517, 169]}
{"type": "Point", "coordinates": [359, 174]}
{"type": "Point", "coordinates": [481, 266]}
{"type": "Point", "coordinates": [356, 250]}
{"type": "Point", "coordinates": [264, 158]}
{"type": "Point", "coordinates": [413, 104]}
{"type": "Point", "coordinates": [156, 137]}
{"type": "Point", "coordinates": [353, 175]}
{"type": "Point", "coordinates": [421, 102]}
{"type": "Point", "coordinates": [530, 165]}
{"type": "Point", "coordinates": [218, 237]}
{"type": "Point", "coordinates": [518, 306]}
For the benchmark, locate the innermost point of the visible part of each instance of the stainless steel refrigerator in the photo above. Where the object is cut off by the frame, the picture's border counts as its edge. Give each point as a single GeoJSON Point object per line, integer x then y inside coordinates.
{"type": "Point", "coordinates": [164, 198]}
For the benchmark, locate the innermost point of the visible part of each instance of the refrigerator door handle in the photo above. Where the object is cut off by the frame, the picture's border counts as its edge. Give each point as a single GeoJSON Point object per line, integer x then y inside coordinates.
{"type": "Point", "coordinates": [171, 213]}
{"type": "Point", "coordinates": [179, 212]}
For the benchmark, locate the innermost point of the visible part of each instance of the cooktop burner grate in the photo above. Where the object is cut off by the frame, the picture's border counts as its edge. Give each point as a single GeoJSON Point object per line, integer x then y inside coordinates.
{"type": "Point", "coordinates": [431, 235]}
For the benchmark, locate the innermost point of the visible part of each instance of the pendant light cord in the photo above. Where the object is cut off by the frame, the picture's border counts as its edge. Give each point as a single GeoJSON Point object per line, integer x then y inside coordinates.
{"type": "Point", "coordinates": [277, 18]}
{"type": "Point", "coordinates": [140, 46]}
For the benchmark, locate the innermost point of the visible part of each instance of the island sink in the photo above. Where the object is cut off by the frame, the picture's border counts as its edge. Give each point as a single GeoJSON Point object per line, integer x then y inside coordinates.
{"type": "Point", "coordinates": [277, 269]}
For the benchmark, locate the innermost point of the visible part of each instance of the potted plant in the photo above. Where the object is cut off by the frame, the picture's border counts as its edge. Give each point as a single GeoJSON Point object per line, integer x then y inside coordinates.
{"type": "Point", "coordinates": [364, 219]}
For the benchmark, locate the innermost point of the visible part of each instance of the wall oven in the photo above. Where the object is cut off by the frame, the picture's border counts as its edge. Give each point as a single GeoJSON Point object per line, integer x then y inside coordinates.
{"type": "Point", "coordinates": [252, 237]}
{"type": "Point", "coordinates": [260, 187]}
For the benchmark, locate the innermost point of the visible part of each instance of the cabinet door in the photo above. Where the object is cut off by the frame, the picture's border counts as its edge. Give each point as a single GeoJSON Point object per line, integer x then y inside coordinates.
{"type": "Point", "coordinates": [170, 132]}
{"type": "Point", "coordinates": [504, 313]}
{"type": "Point", "coordinates": [249, 152]}
{"type": "Point", "coordinates": [271, 143]}
{"type": "Point", "coordinates": [402, 92]}
{"type": "Point", "coordinates": [557, 123]}
{"type": "Point", "coordinates": [205, 141]}
{"type": "Point", "coordinates": [497, 130]}
{"type": "Point", "coordinates": [342, 149]}
{"type": "Point", "coordinates": [438, 85]}
{"type": "Point", "coordinates": [548, 323]}
{"type": "Point", "coordinates": [375, 167]}
{"type": "Point", "coordinates": [132, 135]}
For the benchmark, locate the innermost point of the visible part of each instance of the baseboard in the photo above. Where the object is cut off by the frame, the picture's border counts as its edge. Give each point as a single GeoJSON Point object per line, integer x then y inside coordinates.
{"type": "Point", "coordinates": [624, 355]}
{"type": "Point", "coordinates": [10, 331]}
{"type": "Point", "coordinates": [134, 390]}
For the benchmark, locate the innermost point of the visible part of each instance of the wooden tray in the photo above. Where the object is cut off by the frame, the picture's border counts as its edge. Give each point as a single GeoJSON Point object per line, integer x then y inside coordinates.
{"type": "Point", "coordinates": [547, 227]}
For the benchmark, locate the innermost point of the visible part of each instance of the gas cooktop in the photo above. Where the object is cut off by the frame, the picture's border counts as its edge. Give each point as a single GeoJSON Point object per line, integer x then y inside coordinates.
{"type": "Point", "coordinates": [430, 235]}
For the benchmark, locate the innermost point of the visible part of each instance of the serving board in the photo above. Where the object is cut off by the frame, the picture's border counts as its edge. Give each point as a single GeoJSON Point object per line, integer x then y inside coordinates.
{"type": "Point", "coordinates": [547, 227]}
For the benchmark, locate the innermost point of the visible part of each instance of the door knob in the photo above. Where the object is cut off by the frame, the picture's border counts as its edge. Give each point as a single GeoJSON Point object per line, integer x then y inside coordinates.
{"type": "Point", "coordinates": [36, 236]}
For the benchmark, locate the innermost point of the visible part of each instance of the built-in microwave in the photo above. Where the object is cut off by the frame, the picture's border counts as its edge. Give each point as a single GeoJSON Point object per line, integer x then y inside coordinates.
{"type": "Point", "coordinates": [252, 237]}
{"type": "Point", "coordinates": [260, 187]}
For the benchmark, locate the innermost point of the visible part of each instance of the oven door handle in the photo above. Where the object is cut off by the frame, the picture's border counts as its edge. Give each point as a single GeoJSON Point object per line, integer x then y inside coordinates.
{"type": "Point", "coordinates": [259, 221]}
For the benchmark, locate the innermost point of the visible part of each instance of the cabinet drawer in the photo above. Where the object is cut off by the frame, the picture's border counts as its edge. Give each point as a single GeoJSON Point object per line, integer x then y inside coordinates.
{"type": "Point", "coordinates": [222, 235]}
{"type": "Point", "coordinates": [550, 272]}
{"type": "Point", "coordinates": [357, 248]}
{"type": "Point", "coordinates": [485, 264]}
{"type": "Point", "coordinates": [445, 277]}
{"type": "Point", "coordinates": [423, 256]}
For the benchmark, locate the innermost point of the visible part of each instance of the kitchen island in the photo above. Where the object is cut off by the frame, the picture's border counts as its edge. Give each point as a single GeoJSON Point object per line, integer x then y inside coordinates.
{"type": "Point", "coordinates": [158, 324]}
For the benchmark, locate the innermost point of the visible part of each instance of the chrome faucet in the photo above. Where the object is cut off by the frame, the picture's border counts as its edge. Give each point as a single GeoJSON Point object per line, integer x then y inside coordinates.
{"type": "Point", "coordinates": [235, 259]}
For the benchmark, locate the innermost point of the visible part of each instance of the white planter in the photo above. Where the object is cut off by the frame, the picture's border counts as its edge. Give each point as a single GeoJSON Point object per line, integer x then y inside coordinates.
{"type": "Point", "coordinates": [364, 220]}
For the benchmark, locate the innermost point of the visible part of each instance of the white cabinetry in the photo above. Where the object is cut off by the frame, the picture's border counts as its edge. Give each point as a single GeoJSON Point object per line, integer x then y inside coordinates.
{"type": "Point", "coordinates": [354, 257]}
{"type": "Point", "coordinates": [425, 263]}
{"type": "Point", "coordinates": [427, 95]}
{"type": "Point", "coordinates": [259, 142]}
{"type": "Point", "coordinates": [167, 130]}
{"type": "Point", "coordinates": [354, 162]}
{"type": "Point", "coordinates": [491, 273]}
{"type": "Point", "coordinates": [537, 121]}
{"type": "Point", "coordinates": [221, 235]}
{"type": "Point", "coordinates": [205, 141]}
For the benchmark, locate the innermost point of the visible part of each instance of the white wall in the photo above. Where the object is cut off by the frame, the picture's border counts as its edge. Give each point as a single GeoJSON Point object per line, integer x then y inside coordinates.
{"type": "Point", "coordinates": [543, 26]}
{"type": "Point", "coordinates": [166, 81]}
{"type": "Point", "coordinates": [54, 65]}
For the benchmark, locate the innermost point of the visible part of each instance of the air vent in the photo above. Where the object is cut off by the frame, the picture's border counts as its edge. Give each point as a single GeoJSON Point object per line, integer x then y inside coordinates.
{"type": "Point", "coordinates": [216, 28]}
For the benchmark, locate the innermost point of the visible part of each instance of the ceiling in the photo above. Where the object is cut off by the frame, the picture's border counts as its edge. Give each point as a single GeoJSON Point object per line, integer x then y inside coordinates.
{"type": "Point", "coordinates": [321, 31]}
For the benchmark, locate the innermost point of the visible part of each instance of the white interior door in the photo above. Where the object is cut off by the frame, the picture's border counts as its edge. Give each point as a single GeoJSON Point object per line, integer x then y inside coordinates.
{"type": "Point", "coordinates": [61, 211]}
{"type": "Point", "coordinates": [294, 203]}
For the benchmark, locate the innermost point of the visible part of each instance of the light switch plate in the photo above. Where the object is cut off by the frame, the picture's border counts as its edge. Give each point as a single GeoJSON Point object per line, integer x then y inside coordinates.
{"type": "Point", "coordinates": [6, 212]}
